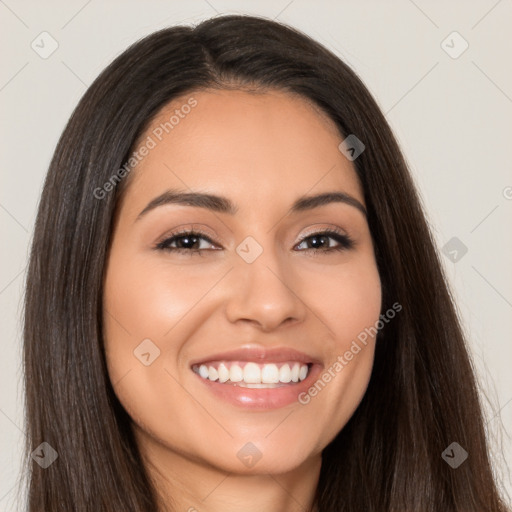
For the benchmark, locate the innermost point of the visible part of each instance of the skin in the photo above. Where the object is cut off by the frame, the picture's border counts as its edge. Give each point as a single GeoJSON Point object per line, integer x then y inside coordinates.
{"type": "Point", "coordinates": [243, 146]}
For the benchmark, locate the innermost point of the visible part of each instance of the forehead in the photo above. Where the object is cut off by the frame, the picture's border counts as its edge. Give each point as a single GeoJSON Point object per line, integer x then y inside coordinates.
{"type": "Point", "coordinates": [257, 148]}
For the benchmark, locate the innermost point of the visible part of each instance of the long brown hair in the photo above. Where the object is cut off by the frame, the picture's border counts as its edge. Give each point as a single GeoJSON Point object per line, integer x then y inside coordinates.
{"type": "Point", "coordinates": [422, 394]}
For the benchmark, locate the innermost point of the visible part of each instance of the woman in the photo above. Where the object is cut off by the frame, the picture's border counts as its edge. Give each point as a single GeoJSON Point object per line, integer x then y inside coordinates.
{"type": "Point", "coordinates": [234, 301]}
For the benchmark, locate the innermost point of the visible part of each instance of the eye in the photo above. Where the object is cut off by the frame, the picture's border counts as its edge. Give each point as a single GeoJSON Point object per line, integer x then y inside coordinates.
{"type": "Point", "coordinates": [186, 241]}
{"type": "Point", "coordinates": [317, 240]}
{"type": "Point", "coordinates": [190, 242]}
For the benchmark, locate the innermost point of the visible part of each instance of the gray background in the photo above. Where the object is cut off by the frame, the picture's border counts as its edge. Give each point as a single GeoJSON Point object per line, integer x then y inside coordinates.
{"type": "Point", "coordinates": [451, 114]}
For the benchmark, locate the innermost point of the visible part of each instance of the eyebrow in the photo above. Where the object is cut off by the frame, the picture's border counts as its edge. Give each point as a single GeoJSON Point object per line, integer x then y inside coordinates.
{"type": "Point", "coordinates": [221, 204]}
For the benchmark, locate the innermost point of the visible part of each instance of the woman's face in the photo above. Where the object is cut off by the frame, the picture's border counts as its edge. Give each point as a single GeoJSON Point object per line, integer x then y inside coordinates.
{"type": "Point", "coordinates": [257, 293]}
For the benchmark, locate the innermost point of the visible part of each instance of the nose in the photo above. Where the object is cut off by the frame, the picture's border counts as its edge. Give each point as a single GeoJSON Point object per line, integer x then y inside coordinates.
{"type": "Point", "coordinates": [265, 292]}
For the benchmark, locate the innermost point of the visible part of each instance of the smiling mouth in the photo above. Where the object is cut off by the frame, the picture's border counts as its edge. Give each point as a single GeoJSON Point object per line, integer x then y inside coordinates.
{"type": "Point", "coordinates": [249, 374]}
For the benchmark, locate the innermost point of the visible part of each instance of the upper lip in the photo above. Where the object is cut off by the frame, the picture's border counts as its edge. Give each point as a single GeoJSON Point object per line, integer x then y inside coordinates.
{"type": "Point", "coordinates": [260, 355]}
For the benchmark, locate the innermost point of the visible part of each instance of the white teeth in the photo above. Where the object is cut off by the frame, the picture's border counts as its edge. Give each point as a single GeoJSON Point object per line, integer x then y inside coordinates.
{"type": "Point", "coordinates": [223, 372]}
{"type": "Point", "coordinates": [295, 372]}
{"type": "Point", "coordinates": [285, 374]}
{"type": "Point", "coordinates": [212, 373]}
{"type": "Point", "coordinates": [254, 375]}
{"type": "Point", "coordinates": [270, 374]}
{"type": "Point", "coordinates": [236, 374]}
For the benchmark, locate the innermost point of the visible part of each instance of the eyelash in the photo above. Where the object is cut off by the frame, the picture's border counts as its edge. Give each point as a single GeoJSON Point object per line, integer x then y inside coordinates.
{"type": "Point", "coordinates": [345, 242]}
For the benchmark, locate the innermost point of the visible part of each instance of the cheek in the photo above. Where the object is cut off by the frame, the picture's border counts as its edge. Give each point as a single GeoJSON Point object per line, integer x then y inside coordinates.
{"type": "Point", "coordinates": [148, 298]}
{"type": "Point", "coordinates": [354, 318]}
{"type": "Point", "coordinates": [143, 301]}
{"type": "Point", "coordinates": [347, 300]}
{"type": "Point", "coordinates": [150, 307]}
{"type": "Point", "coordinates": [357, 302]}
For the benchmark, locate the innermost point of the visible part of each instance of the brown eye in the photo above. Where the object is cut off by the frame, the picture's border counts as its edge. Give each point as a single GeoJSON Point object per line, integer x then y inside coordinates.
{"type": "Point", "coordinates": [321, 240]}
{"type": "Point", "coordinates": [187, 241]}
{"type": "Point", "coordinates": [190, 242]}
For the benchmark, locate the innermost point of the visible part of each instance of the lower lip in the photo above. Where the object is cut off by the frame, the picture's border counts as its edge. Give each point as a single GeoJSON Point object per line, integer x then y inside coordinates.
{"type": "Point", "coordinates": [262, 399]}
